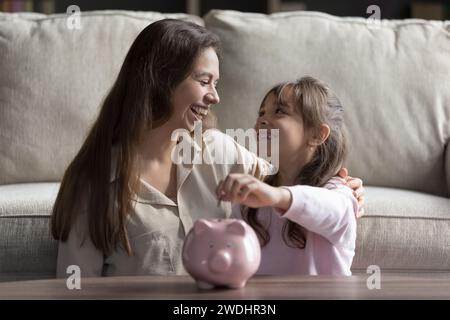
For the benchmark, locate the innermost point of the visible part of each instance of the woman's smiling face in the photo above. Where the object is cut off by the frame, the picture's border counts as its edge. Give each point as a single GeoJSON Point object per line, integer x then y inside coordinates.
{"type": "Point", "coordinates": [194, 96]}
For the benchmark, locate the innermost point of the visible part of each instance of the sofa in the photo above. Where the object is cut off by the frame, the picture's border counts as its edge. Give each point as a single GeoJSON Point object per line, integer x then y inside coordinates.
{"type": "Point", "coordinates": [392, 76]}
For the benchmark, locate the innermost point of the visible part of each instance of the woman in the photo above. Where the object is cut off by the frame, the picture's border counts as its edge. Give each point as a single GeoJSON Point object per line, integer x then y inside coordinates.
{"type": "Point", "coordinates": [124, 206]}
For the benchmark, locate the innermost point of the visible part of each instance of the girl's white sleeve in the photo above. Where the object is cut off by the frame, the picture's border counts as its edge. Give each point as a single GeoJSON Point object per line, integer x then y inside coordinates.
{"type": "Point", "coordinates": [78, 250]}
{"type": "Point", "coordinates": [328, 212]}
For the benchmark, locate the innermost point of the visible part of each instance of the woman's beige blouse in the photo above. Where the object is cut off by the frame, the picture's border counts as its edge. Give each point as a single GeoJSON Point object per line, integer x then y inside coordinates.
{"type": "Point", "coordinates": [158, 224]}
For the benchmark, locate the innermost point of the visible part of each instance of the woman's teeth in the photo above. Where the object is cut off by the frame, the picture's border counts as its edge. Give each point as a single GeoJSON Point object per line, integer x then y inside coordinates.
{"type": "Point", "coordinates": [200, 111]}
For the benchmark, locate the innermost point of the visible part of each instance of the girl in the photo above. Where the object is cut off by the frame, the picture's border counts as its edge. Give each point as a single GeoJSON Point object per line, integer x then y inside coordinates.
{"type": "Point", "coordinates": [305, 216]}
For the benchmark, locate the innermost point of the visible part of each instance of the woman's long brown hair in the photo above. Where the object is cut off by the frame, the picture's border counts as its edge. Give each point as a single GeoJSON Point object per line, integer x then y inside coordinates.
{"type": "Point", "coordinates": [159, 59]}
{"type": "Point", "coordinates": [318, 105]}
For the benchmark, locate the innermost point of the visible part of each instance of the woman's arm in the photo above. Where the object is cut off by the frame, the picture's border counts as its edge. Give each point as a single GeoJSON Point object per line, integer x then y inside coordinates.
{"type": "Point", "coordinates": [236, 158]}
{"type": "Point", "coordinates": [356, 184]}
{"type": "Point", "coordinates": [225, 150]}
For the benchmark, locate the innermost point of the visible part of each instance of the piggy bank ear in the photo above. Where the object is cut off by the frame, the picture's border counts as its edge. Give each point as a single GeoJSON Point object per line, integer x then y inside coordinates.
{"type": "Point", "coordinates": [237, 228]}
{"type": "Point", "coordinates": [200, 226]}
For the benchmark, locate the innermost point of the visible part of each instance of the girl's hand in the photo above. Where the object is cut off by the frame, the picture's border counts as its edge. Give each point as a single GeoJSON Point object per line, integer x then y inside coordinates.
{"type": "Point", "coordinates": [356, 185]}
{"type": "Point", "coordinates": [249, 191]}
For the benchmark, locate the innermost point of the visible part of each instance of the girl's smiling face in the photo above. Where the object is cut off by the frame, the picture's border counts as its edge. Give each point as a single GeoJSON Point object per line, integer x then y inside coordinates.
{"type": "Point", "coordinates": [194, 96]}
{"type": "Point", "coordinates": [284, 116]}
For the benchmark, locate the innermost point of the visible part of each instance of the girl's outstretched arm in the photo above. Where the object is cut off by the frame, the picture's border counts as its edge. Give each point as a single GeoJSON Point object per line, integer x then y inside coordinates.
{"type": "Point", "coordinates": [325, 211]}
{"type": "Point", "coordinates": [252, 192]}
{"type": "Point", "coordinates": [328, 211]}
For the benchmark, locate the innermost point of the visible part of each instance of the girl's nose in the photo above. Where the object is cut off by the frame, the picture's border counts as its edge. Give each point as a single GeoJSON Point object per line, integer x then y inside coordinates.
{"type": "Point", "coordinates": [212, 98]}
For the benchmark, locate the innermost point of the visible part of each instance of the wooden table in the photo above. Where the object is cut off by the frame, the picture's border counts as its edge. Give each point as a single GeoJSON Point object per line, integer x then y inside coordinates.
{"type": "Point", "coordinates": [393, 286]}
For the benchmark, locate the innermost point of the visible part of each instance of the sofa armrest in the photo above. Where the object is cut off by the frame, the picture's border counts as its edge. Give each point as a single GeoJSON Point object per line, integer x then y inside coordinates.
{"type": "Point", "coordinates": [447, 167]}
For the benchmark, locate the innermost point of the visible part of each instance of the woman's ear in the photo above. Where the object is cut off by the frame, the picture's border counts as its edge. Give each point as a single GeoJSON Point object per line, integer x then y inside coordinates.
{"type": "Point", "coordinates": [320, 136]}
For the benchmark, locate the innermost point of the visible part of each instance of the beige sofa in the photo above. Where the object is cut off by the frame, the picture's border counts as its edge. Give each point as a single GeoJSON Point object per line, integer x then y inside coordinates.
{"type": "Point", "coordinates": [393, 79]}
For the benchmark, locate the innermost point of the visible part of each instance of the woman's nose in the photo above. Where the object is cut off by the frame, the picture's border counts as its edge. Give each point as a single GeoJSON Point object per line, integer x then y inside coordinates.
{"type": "Point", "coordinates": [212, 97]}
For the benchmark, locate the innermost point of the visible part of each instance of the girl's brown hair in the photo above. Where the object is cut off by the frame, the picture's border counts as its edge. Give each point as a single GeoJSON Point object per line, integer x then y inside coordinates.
{"type": "Point", "coordinates": [159, 59]}
{"type": "Point", "coordinates": [318, 105]}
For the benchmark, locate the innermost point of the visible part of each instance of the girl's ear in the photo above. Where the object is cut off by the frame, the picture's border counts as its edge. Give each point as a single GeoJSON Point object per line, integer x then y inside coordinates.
{"type": "Point", "coordinates": [320, 136]}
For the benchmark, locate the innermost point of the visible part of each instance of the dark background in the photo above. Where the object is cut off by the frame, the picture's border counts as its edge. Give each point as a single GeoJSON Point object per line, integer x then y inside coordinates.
{"type": "Point", "coordinates": [390, 9]}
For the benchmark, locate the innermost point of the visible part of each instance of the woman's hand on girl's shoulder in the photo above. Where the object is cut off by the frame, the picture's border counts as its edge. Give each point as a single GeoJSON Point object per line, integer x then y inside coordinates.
{"type": "Point", "coordinates": [356, 184]}
{"type": "Point", "coordinates": [251, 192]}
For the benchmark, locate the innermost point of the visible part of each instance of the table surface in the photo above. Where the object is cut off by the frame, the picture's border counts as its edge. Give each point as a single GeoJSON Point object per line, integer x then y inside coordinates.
{"type": "Point", "coordinates": [393, 286]}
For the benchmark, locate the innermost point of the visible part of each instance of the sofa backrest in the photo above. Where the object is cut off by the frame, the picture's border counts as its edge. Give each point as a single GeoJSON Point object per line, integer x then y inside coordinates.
{"type": "Point", "coordinates": [52, 82]}
{"type": "Point", "coordinates": [393, 80]}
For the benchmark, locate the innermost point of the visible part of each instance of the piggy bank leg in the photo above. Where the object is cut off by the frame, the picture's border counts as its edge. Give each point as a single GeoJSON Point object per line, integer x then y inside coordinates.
{"type": "Point", "coordinates": [237, 285]}
{"type": "Point", "coordinates": [204, 285]}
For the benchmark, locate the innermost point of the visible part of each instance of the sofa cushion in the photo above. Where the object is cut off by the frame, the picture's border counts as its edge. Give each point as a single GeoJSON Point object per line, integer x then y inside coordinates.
{"type": "Point", "coordinates": [53, 80]}
{"type": "Point", "coordinates": [392, 80]}
{"type": "Point", "coordinates": [403, 230]}
{"type": "Point", "coordinates": [447, 165]}
{"type": "Point", "coordinates": [27, 249]}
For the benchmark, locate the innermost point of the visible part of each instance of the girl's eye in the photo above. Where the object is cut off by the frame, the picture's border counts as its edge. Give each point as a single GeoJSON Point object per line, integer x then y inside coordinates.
{"type": "Point", "coordinates": [279, 111]}
{"type": "Point", "coordinates": [204, 83]}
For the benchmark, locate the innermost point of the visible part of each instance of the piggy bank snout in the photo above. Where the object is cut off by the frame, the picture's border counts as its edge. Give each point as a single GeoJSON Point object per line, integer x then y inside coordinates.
{"type": "Point", "coordinates": [220, 261]}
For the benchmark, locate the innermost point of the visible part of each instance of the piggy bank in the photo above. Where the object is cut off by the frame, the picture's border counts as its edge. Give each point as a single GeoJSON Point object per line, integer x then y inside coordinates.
{"type": "Point", "coordinates": [221, 252]}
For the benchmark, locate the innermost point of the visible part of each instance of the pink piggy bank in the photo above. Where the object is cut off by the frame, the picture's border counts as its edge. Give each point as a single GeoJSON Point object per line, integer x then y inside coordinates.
{"type": "Point", "coordinates": [221, 252]}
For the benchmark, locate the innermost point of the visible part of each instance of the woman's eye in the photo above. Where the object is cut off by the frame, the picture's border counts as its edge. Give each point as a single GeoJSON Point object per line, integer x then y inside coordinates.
{"type": "Point", "coordinates": [204, 83]}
